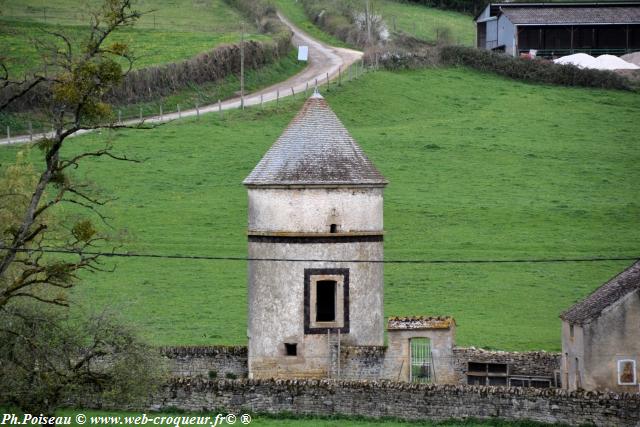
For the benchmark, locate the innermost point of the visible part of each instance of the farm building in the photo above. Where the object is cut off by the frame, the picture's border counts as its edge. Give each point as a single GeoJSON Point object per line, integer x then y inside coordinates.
{"type": "Point", "coordinates": [558, 29]}
{"type": "Point", "coordinates": [601, 337]}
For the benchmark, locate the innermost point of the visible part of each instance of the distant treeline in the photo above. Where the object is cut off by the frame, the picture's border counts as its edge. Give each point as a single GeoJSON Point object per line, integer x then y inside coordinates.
{"type": "Point", "coordinates": [472, 7]}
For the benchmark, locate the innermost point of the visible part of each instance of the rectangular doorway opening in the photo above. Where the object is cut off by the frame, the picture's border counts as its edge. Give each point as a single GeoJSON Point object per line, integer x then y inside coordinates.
{"type": "Point", "coordinates": [326, 301]}
{"type": "Point", "coordinates": [421, 360]}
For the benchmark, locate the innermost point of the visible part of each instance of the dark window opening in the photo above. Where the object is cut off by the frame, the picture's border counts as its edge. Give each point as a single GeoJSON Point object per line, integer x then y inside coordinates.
{"type": "Point", "coordinates": [333, 228]}
{"type": "Point", "coordinates": [497, 368]}
{"type": "Point", "coordinates": [325, 301]}
{"type": "Point", "coordinates": [571, 331]}
{"type": "Point", "coordinates": [482, 35]}
{"type": "Point", "coordinates": [291, 349]}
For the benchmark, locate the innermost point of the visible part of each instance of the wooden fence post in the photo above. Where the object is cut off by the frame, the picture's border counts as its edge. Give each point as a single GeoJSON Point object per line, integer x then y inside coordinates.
{"type": "Point", "coordinates": [220, 108]}
{"type": "Point", "coordinates": [179, 112]}
{"type": "Point", "coordinates": [30, 131]}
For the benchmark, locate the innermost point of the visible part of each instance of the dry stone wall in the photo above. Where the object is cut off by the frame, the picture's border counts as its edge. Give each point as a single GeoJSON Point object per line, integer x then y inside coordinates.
{"type": "Point", "coordinates": [218, 361]}
{"type": "Point", "coordinates": [401, 400]}
{"type": "Point", "coordinates": [531, 363]}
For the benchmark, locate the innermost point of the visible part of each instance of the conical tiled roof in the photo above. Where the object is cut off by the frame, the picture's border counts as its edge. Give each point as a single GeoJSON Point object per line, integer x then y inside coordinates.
{"type": "Point", "coordinates": [315, 149]}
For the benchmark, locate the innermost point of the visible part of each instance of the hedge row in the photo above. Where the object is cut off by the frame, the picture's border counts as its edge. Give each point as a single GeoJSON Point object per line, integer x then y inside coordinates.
{"type": "Point", "coordinates": [152, 82]}
{"type": "Point", "coordinates": [538, 71]}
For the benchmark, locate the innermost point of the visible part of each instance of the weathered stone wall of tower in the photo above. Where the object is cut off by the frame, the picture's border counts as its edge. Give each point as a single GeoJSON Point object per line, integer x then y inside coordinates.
{"type": "Point", "coordinates": [294, 224]}
{"type": "Point", "coordinates": [313, 210]}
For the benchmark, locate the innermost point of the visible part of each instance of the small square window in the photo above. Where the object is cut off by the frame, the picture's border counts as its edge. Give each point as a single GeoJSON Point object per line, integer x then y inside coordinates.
{"type": "Point", "coordinates": [291, 348]}
{"type": "Point", "coordinates": [627, 372]}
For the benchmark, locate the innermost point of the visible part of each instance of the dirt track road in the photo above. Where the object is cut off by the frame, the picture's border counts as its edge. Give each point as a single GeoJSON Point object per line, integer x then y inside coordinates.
{"type": "Point", "coordinates": [323, 61]}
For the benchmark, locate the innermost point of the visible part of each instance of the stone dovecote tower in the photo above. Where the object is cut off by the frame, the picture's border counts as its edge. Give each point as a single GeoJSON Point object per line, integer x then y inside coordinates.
{"type": "Point", "coordinates": [316, 197]}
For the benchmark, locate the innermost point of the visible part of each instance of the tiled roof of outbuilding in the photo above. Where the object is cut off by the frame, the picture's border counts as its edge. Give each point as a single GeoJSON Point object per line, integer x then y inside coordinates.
{"type": "Point", "coordinates": [558, 15]}
{"type": "Point", "coordinates": [607, 294]}
{"type": "Point", "coordinates": [315, 149]}
{"type": "Point", "coordinates": [420, 322]}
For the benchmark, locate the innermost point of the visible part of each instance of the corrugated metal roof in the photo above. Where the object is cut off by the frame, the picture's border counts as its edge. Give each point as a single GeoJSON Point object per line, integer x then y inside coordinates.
{"type": "Point", "coordinates": [559, 15]}
{"type": "Point", "coordinates": [606, 295]}
{"type": "Point", "coordinates": [315, 149]}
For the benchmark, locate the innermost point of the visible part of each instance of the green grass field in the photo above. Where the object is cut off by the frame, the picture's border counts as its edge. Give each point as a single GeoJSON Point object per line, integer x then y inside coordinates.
{"type": "Point", "coordinates": [420, 21]}
{"type": "Point", "coordinates": [480, 167]}
{"type": "Point", "coordinates": [283, 420]}
{"type": "Point", "coordinates": [426, 22]}
{"type": "Point", "coordinates": [169, 31]}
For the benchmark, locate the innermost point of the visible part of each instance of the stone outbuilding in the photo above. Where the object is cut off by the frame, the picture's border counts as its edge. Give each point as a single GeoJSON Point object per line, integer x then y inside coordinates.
{"type": "Point", "coordinates": [601, 337]}
{"type": "Point", "coordinates": [315, 206]}
{"type": "Point", "coordinates": [421, 349]}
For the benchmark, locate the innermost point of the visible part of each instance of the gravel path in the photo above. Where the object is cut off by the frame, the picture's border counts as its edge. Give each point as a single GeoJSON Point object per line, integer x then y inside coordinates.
{"type": "Point", "coordinates": [323, 61]}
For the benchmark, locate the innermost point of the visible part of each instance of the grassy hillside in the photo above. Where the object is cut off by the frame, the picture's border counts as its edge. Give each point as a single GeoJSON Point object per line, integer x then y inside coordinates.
{"type": "Point", "coordinates": [423, 22]}
{"type": "Point", "coordinates": [294, 11]}
{"type": "Point", "coordinates": [427, 23]}
{"type": "Point", "coordinates": [480, 168]}
{"type": "Point", "coordinates": [169, 31]}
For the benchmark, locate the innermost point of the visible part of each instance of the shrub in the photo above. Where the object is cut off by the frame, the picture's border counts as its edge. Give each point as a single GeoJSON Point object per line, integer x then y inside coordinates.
{"type": "Point", "coordinates": [540, 71]}
{"type": "Point", "coordinates": [213, 374]}
{"type": "Point", "coordinates": [344, 21]}
{"type": "Point", "coordinates": [230, 376]}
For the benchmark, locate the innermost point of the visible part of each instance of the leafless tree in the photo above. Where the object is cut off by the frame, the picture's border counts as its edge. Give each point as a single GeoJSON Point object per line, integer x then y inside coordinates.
{"type": "Point", "coordinates": [79, 74]}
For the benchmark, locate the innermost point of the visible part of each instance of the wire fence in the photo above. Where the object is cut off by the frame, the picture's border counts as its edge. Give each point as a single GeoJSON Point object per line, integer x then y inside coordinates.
{"type": "Point", "coordinates": [161, 110]}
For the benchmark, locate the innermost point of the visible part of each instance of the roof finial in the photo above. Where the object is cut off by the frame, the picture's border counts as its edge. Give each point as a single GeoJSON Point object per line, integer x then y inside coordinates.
{"type": "Point", "coordinates": [316, 93]}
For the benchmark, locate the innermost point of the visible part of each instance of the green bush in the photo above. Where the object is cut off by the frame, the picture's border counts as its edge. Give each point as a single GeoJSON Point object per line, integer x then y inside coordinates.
{"type": "Point", "coordinates": [337, 19]}
{"type": "Point", "coordinates": [540, 71]}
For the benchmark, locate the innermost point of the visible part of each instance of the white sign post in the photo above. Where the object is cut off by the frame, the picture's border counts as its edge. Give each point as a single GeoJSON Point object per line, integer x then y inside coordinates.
{"type": "Point", "coordinates": [303, 53]}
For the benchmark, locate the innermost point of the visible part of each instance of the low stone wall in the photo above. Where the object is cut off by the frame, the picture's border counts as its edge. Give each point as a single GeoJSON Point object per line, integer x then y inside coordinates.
{"type": "Point", "coordinates": [356, 362]}
{"type": "Point", "coordinates": [207, 361]}
{"type": "Point", "coordinates": [401, 400]}
{"type": "Point", "coordinates": [361, 363]}
{"type": "Point", "coordinates": [530, 363]}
